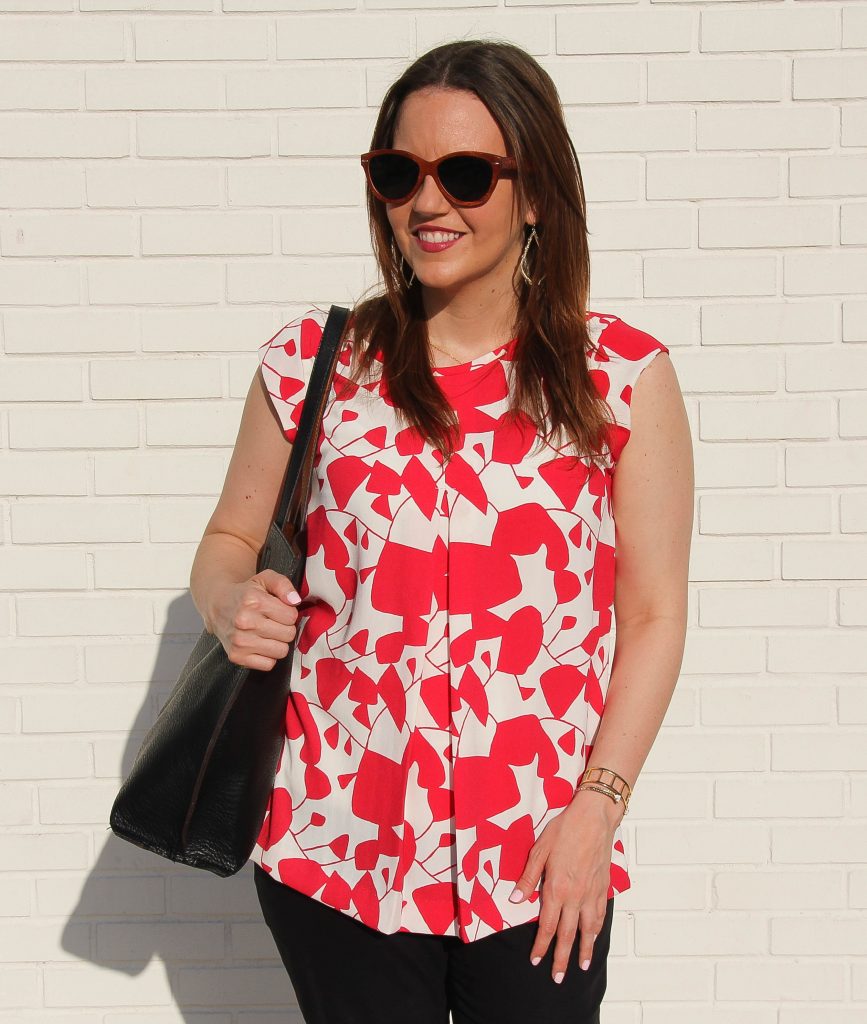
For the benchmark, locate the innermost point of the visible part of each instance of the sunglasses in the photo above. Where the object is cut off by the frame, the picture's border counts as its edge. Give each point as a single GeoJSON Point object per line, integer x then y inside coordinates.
{"type": "Point", "coordinates": [466, 178]}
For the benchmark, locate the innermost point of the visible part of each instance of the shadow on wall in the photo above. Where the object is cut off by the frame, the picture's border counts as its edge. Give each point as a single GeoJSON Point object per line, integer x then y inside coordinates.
{"type": "Point", "coordinates": [196, 943]}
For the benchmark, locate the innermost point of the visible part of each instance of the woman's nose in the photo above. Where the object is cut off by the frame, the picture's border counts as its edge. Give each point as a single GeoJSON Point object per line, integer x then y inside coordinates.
{"type": "Point", "coordinates": [429, 196]}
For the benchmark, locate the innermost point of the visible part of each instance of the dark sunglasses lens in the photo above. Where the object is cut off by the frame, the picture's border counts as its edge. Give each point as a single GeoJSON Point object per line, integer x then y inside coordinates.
{"type": "Point", "coordinates": [466, 178]}
{"type": "Point", "coordinates": [393, 175]}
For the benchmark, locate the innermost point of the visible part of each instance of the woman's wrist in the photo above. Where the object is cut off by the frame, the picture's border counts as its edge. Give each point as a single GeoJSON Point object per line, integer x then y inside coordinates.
{"type": "Point", "coordinates": [601, 803]}
{"type": "Point", "coordinates": [221, 562]}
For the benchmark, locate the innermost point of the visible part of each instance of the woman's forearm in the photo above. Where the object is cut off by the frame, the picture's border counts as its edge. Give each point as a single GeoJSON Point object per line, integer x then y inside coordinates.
{"type": "Point", "coordinates": [221, 561]}
{"type": "Point", "coordinates": [647, 662]}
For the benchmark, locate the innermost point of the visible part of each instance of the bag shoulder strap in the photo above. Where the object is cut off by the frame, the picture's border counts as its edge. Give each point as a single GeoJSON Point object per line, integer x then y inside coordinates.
{"type": "Point", "coordinates": [296, 484]}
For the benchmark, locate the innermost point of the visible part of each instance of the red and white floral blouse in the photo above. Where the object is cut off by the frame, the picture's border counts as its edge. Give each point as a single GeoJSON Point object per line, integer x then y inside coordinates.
{"type": "Point", "coordinates": [454, 644]}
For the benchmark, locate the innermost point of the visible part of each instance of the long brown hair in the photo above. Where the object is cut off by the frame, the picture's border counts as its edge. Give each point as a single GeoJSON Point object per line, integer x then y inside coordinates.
{"type": "Point", "coordinates": [552, 383]}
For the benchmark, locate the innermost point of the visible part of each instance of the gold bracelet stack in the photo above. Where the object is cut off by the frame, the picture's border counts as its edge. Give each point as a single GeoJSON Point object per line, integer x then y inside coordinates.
{"type": "Point", "coordinates": [600, 785]}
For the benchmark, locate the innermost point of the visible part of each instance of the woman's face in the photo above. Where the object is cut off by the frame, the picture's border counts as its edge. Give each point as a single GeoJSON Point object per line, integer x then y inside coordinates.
{"type": "Point", "coordinates": [433, 122]}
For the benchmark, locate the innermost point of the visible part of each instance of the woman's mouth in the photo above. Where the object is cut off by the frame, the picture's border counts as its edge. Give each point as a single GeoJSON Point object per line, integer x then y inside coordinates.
{"type": "Point", "coordinates": [437, 241]}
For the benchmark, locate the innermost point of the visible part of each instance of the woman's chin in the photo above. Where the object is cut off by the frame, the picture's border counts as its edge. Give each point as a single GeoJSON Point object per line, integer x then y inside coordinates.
{"type": "Point", "coordinates": [440, 278]}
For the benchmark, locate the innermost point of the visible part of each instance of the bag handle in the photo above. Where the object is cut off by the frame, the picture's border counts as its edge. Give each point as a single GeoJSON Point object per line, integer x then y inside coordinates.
{"type": "Point", "coordinates": [299, 472]}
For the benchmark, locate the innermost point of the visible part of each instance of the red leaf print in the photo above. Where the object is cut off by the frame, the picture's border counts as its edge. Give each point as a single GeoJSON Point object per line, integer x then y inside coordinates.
{"type": "Point", "coordinates": [436, 904]}
{"type": "Point", "coordinates": [337, 893]}
{"type": "Point", "coordinates": [306, 875]}
{"type": "Point", "coordinates": [377, 795]}
{"type": "Point", "coordinates": [562, 686]}
{"type": "Point", "coordinates": [465, 481]}
{"type": "Point", "coordinates": [454, 641]}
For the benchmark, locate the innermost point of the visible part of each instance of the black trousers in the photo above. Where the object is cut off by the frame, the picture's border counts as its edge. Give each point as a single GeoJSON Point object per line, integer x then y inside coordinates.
{"type": "Point", "coordinates": [344, 972]}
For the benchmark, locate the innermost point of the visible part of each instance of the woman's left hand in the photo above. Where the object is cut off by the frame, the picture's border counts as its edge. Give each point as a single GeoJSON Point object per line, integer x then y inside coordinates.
{"type": "Point", "coordinates": [574, 854]}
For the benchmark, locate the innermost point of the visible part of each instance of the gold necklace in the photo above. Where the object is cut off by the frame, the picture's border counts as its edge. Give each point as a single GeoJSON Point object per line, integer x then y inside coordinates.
{"type": "Point", "coordinates": [459, 361]}
{"type": "Point", "coordinates": [456, 359]}
{"type": "Point", "coordinates": [449, 354]}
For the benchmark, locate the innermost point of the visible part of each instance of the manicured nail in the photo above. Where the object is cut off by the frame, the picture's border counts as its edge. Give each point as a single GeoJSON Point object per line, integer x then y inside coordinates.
{"type": "Point", "coordinates": [516, 896]}
{"type": "Point", "coordinates": [294, 597]}
{"type": "Point", "coordinates": [558, 977]}
{"type": "Point", "coordinates": [536, 961]}
{"type": "Point", "coordinates": [585, 965]}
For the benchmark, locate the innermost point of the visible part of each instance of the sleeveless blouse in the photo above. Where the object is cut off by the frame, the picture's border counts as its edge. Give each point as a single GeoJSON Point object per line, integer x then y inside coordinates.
{"type": "Point", "coordinates": [453, 647]}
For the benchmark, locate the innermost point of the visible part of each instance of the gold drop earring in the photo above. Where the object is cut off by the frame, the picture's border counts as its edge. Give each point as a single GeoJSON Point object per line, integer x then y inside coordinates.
{"type": "Point", "coordinates": [530, 238]}
{"type": "Point", "coordinates": [403, 273]}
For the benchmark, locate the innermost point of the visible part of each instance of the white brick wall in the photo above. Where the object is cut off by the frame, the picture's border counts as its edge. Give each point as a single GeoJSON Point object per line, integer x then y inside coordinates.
{"type": "Point", "coordinates": [177, 180]}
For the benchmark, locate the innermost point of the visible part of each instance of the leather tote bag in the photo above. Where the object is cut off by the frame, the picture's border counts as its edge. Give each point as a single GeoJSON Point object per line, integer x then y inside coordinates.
{"type": "Point", "coordinates": [200, 784]}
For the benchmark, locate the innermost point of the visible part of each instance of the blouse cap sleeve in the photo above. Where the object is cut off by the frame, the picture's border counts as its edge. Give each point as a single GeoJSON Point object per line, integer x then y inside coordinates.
{"type": "Point", "coordinates": [286, 362]}
{"type": "Point", "coordinates": [622, 355]}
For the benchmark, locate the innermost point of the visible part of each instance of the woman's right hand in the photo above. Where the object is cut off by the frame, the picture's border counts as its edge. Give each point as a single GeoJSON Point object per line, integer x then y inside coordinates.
{"type": "Point", "coordinates": [255, 620]}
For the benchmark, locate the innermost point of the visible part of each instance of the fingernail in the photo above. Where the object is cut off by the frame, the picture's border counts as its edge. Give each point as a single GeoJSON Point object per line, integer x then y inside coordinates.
{"type": "Point", "coordinates": [558, 977]}
{"type": "Point", "coordinates": [294, 597]}
{"type": "Point", "coordinates": [516, 896]}
{"type": "Point", "coordinates": [536, 961]}
{"type": "Point", "coordinates": [585, 965]}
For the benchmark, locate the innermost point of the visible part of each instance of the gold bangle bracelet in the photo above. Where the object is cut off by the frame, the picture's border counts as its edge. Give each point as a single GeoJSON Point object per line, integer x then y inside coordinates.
{"type": "Point", "coordinates": [589, 777]}
{"type": "Point", "coordinates": [594, 776]}
{"type": "Point", "coordinates": [608, 791]}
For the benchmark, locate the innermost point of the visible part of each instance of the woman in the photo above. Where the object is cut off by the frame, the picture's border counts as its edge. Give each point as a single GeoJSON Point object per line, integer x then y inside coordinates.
{"type": "Point", "coordinates": [427, 850]}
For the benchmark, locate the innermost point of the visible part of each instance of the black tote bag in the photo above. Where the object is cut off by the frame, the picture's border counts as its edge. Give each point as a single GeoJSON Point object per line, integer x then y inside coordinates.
{"type": "Point", "coordinates": [200, 784]}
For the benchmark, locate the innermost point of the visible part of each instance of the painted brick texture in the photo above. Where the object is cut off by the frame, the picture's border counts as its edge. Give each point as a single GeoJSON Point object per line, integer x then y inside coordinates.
{"type": "Point", "coordinates": [177, 180]}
